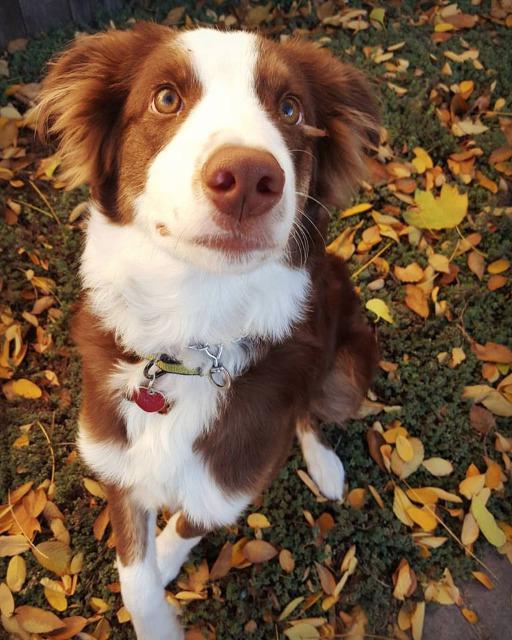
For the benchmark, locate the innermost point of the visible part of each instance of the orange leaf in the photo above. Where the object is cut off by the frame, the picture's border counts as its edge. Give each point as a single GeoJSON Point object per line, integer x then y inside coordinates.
{"type": "Point", "coordinates": [416, 300]}
{"type": "Point", "coordinates": [259, 551]}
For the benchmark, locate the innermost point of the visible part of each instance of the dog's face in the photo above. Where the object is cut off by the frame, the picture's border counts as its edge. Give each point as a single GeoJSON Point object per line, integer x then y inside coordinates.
{"type": "Point", "coordinates": [210, 142]}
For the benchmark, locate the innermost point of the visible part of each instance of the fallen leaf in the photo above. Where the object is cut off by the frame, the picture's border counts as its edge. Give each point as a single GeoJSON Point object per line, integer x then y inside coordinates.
{"type": "Point", "coordinates": [470, 615]}
{"type": "Point", "coordinates": [470, 530]}
{"type": "Point", "coordinates": [404, 581]}
{"type": "Point", "coordinates": [380, 309]}
{"type": "Point", "coordinates": [302, 631]}
{"type": "Point", "coordinates": [411, 273]}
{"type": "Point", "coordinates": [290, 608]}
{"type": "Point", "coordinates": [286, 560]}
{"type": "Point", "coordinates": [487, 523]}
{"type": "Point", "coordinates": [258, 521]}
{"type": "Point", "coordinates": [36, 620]}
{"type": "Point", "coordinates": [259, 551]}
{"type": "Point", "coordinates": [445, 212]}
{"type": "Point", "coordinates": [483, 578]}
{"type": "Point", "coordinates": [25, 389]}
{"type": "Point", "coordinates": [416, 300]}
{"type": "Point", "coordinates": [16, 573]}
{"type": "Point", "coordinates": [438, 466]}
{"type": "Point", "coordinates": [476, 264]}
{"type": "Point", "coordinates": [423, 517]}
{"type": "Point", "coordinates": [13, 545]}
{"type": "Point", "coordinates": [417, 621]}
{"type": "Point", "coordinates": [6, 601]}
{"type": "Point", "coordinates": [492, 352]}
{"type": "Point", "coordinates": [54, 556]}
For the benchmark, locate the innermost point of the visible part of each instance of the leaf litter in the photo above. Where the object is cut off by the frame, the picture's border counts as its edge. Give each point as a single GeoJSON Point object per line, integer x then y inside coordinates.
{"type": "Point", "coordinates": [419, 231]}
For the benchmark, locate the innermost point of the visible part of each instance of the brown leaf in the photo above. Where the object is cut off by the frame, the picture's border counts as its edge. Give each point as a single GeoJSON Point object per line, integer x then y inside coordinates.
{"type": "Point", "coordinates": [259, 551]}
{"type": "Point", "coordinates": [375, 440]}
{"type": "Point", "coordinates": [481, 419]}
{"type": "Point", "coordinates": [100, 524]}
{"type": "Point", "coordinates": [326, 579]}
{"type": "Point", "coordinates": [73, 626]}
{"type": "Point", "coordinates": [222, 565]}
{"type": "Point", "coordinates": [495, 282]}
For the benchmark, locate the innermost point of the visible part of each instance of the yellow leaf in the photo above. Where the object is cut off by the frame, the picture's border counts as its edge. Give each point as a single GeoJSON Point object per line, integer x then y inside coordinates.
{"type": "Point", "coordinates": [290, 607]}
{"type": "Point", "coordinates": [424, 495]}
{"type": "Point", "coordinates": [13, 545]}
{"type": "Point", "coordinates": [98, 605]}
{"type": "Point", "coordinates": [404, 581]}
{"type": "Point", "coordinates": [417, 620]}
{"type": "Point", "coordinates": [404, 469]}
{"type": "Point", "coordinates": [190, 595]}
{"type": "Point", "coordinates": [401, 504]}
{"type": "Point", "coordinates": [123, 615]}
{"type": "Point", "coordinates": [26, 389]}
{"type": "Point", "coordinates": [498, 266]}
{"type": "Point", "coordinates": [56, 599]}
{"type": "Point", "coordinates": [258, 521]}
{"type": "Point", "coordinates": [95, 488]}
{"type": "Point", "coordinates": [469, 487]}
{"type": "Point", "coordinates": [358, 208]}
{"type": "Point", "coordinates": [391, 435]}
{"type": "Point", "coordinates": [438, 466]}
{"type": "Point", "coordinates": [470, 530]}
{"type": "Point", "coordinates": [487, 523]}
{"type": "Point", "coordinates": [444, 212]}
{"type": "Point", "coordinates": [16, 573]}
{"type": "Point", "coordinates": [302, 631]}
{"type": "Point", "coordinates": [422, 161]}
{"type": "Point", "coordinates": [423, 517]}
{"type": "Point", "coordinates": [441, 27]}
{"type": "Point", "coordinates": [54, 556]}
{"type": "Point", "coordinates": [377, 15]}
{"type": "Point", "coordinates": [259, 551]}
{"type": "Point", "coordinates": [36, 620]}
{"type": "Point", "coordinates": [380, 309]}
{"type": "Point", "coordinates": [439, 263]}
{"type": "Point", "coordinates": [404, 448]}
{"type": "Point", "coordinates": [6, 601]}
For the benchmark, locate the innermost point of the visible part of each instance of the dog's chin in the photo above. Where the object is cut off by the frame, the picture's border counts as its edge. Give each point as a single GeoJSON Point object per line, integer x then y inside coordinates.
{"type": "Point", "coordinates": [226, 255]}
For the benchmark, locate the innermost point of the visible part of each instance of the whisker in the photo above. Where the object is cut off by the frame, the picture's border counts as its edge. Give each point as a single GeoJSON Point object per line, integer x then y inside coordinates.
{"type": "Point", "coordinates": [306, 195]}
{"type": "Point", "coordinates": [306, 151]}
{"type": "Point", "coordinates": [301, 211]}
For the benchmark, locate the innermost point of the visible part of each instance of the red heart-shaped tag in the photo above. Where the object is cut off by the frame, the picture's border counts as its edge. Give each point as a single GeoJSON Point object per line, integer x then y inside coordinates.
{"type": "Point", "coordinates": [149, 400]}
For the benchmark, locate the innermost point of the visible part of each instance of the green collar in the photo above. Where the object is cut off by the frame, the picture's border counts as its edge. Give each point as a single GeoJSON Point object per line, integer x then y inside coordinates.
{"type": "Point", "coordinates": [177, 368]}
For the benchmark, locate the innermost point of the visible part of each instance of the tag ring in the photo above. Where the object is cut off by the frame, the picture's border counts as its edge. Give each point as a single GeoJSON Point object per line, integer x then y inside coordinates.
{"type": "Point", "coordinates": [225, 378]}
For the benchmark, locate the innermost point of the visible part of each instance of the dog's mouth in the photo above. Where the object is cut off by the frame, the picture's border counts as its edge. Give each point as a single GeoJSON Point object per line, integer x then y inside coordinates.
{"type": "Point", "coordinates": [235, 243]}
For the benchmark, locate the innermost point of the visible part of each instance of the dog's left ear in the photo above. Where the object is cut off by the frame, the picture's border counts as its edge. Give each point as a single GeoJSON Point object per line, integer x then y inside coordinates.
{"type": "Point", "coordinates": [344, 107]}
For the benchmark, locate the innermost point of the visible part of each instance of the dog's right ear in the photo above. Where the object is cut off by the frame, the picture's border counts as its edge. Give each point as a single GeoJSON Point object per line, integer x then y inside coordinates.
{"type": "Point", "coordinates": [82, 100]}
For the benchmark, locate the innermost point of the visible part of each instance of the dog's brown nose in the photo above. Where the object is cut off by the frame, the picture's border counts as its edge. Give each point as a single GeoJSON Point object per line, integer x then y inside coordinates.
{"type": "Point", "coordinates": [241, 181]}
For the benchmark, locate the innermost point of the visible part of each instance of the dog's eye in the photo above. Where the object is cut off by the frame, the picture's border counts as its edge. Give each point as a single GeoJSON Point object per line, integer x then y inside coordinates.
{"type": "Point", "coordinates": [290, 110]}
{"type": "Point", "coordinates": [167, 100]}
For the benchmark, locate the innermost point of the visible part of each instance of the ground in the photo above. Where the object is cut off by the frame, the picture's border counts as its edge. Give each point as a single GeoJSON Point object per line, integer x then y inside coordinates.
{"type": "Point", "coordinates": [444, 391]}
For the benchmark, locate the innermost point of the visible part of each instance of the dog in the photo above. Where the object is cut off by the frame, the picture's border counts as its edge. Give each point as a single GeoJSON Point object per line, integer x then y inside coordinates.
{"type": "Point", "coordinates": [213, 327]}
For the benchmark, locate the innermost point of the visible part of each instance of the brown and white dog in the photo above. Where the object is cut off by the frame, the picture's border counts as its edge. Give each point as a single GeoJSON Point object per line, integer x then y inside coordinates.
{"type": "Point", "coordinates": [207, 154]}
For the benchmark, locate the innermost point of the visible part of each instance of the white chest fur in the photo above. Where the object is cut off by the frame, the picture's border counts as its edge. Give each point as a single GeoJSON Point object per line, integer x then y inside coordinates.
{"type": "Point", "coordinates": [155, 303]}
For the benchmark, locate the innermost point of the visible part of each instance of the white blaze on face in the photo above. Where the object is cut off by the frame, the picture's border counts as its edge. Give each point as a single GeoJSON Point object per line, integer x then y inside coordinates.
{"type": "Point", "coordinates": [228, 113]}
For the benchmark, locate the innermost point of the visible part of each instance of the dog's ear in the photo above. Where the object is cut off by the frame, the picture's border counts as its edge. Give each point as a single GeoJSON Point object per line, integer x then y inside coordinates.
{"type": "Point", "coordinates": [345, 109]}
{"type": "Point", "coordinates": [82, 100]}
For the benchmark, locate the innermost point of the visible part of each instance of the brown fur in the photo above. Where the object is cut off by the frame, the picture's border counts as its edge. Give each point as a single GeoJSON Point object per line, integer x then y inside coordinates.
{"type": "Point", "coordinates": [129, 523]}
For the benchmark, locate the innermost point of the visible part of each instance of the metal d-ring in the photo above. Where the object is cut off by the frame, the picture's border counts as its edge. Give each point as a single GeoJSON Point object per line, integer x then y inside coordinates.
{"type": "Point", "coordinates": [225, 378]}
{"type": "Point", "coordinates": [152, 375]}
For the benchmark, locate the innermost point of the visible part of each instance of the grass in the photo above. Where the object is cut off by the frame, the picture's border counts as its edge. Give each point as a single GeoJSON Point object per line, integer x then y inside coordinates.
{"type": "Point", "coordinates": [428, 392]}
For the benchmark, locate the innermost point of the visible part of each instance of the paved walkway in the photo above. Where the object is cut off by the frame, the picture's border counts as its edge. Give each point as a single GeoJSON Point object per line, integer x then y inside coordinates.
{"type": "Point", "coordinates": [494, 609]}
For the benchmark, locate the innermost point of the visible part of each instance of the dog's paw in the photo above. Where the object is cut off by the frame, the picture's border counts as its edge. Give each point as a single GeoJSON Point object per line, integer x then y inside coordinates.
{"type": "Point", "coordinates": [324, 467]}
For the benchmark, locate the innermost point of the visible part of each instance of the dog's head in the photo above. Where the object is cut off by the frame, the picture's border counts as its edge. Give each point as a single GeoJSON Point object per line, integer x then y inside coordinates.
{"type": "Point", "coordinates": [210, 141]}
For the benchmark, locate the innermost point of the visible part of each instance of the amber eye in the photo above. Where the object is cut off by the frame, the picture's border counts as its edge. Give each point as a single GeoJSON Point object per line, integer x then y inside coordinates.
{"type": "Point", "coordinates": [290, 110]}
{"type": "Point", "coordinates": [167, 100]}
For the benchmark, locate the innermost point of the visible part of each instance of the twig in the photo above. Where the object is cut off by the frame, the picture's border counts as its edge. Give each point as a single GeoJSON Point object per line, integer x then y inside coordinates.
{"type": "Point", "coordinates": [371, 261]}
{"type": "Point", "coordinates": [45, 200]}
{"type": "Point", "coordinates": [33, 206]}
{"type": "Point", "coordinates": [484, 255]}
{"type": "Point", "coordinates": [52, 453]}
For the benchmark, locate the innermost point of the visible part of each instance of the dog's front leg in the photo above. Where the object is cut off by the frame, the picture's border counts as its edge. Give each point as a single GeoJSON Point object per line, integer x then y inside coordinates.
{"type": "Point", "coordinates": [141, 583]}
{"type": "Point", "coordinates": [175, 543]}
